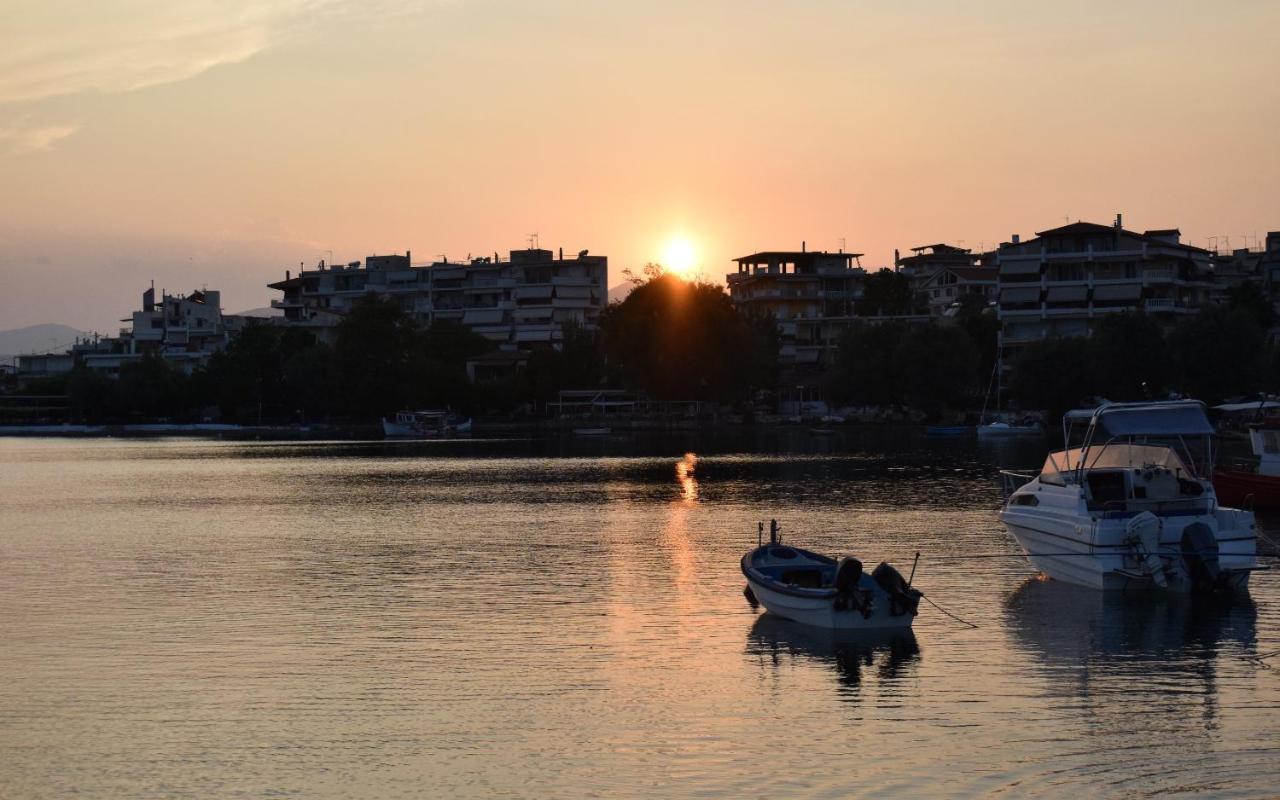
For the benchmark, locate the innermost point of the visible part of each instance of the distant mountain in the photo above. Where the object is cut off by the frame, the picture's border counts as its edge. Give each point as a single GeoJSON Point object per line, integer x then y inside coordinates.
{"type": "Point", "coordinates": [265, 311]}
{"type": "Point", "coordinates": [47, 338]}
{"type": "Point", "coordinates": [619, 293]}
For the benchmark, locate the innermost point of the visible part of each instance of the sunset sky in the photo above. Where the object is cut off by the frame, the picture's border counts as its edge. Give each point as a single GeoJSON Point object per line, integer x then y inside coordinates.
{"type": "Point", "coordinates": [221, 142]}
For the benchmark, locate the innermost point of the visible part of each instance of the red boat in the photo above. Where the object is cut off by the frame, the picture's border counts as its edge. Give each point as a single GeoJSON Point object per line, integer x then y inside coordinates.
{"type": "Point", "coordinates": [1258, 486]}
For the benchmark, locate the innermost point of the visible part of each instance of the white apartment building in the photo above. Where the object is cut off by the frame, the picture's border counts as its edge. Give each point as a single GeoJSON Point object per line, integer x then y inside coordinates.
{"type": "Point", "coordinates": [519, 303]}
{"type": "Point", "coordinates": [1061, 281]}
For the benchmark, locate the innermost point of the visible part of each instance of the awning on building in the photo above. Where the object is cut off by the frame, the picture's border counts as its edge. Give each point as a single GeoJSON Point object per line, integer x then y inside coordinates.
{"type": "Point", "coordinates": [1020, 294]}
{"type": "Point", "coordinates": [1125, 291]}
{"type": "Point", "coordinates": [1067, 294]}
{"type": "Point", "coordinates": [532, 314]}
{"type": "Point", "coordinates": [575, 292]}
{"type": "Point", "coordinates": [533, 293]}
{"type": "Point", "coordinates": [484, 316]}
{"type": "Point", "coordinates": [533, 336]}
{"type": "Point", "coordinates": [1028, 267]}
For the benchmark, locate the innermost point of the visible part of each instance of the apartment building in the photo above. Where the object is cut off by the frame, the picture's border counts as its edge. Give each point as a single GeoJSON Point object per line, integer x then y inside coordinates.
{"type": "Point", "coordinates": [811, 294]}
{"type": "Point", "coordinates": [1062, 280]}
{"type": "Point", "coordinates": [518, 303]}
{"type": "Point", "coordinates": [184, 330]}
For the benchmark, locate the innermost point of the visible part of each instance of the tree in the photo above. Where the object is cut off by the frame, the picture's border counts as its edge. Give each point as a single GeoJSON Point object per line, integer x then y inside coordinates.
{"type": "Point", "coordinates": [1129, 358]}
{"type": "Point", "coordinates": [885, 293]}
{"type": "Point", "coordinates": [1218, 353]}
{"type": "Point", "coordinates": [865, 368]}
{"type": "Point", "coordinates": [1053, 374]}
{"type": "Point", "coordinates": [684, 340]}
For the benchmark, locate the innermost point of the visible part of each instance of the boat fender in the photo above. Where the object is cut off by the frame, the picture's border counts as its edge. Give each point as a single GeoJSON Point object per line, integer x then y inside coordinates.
{"type": "Point", "coordinates": [848, 595]}
{"type": "Point", "coordinates": [1200, 555]}
{"type": "Point", "coordinates": [1143, 535]}
{"type": "Point", "coordinates": [902, 598]}
{"type": "Point", "coordinates": [751, 597]}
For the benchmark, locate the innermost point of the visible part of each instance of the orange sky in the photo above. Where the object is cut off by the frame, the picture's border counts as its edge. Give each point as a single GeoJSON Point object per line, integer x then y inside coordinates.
{"type": "Point", "coordinates": [222, 142]}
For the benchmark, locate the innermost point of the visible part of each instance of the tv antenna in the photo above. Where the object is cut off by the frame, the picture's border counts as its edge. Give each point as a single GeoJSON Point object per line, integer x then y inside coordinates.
{"type": "Point", "coordinates": [533, 241]}
{"type": "Point", "coordinates": [842, 244]}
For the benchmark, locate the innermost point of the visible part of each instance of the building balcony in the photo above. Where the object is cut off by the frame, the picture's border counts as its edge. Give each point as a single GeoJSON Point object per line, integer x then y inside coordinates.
{"type": "Point", "coordinates": [286, 304]}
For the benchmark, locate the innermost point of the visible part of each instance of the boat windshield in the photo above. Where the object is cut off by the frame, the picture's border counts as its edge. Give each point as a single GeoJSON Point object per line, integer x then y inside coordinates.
{"type": "Point", "coordinates": [1117, 455]}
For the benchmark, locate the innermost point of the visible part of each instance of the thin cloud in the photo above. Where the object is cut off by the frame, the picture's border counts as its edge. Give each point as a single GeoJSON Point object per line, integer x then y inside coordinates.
{"type": "Point", "coordinates": [50, 49]}
{"type": "Point", "coordinates": [20, 140]}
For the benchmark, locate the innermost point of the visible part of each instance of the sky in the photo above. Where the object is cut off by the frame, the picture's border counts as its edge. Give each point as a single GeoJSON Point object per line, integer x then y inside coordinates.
{"type": "Point", "coordinates": [217, 143]}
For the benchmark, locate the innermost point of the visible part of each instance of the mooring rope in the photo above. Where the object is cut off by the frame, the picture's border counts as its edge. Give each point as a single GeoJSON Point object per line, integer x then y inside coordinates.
{"type": "Point", "coordinates": [948, 613]}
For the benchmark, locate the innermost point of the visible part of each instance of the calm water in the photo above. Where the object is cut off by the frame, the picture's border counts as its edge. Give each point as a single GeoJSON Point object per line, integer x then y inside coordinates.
{"type": "Point", "coordinates": [565, 619]}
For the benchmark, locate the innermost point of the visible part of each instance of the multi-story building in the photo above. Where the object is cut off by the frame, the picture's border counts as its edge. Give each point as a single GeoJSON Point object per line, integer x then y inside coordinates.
{"type": "Point", "coordinates": [810, 294]}
{"type": "Point", "coordinates": [1258, 266]}
{"type": "Point", "coordinates": [940, 275]}
{"type": "Point", "coordinates": [184, 330]}
{"type": "Point", "coordinates": [1061, 281]}
{"type": "Point", "coordinates": [519, 303]}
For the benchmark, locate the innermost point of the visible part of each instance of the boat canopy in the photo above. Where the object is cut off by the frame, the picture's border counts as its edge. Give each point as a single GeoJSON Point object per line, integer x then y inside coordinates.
{"type": "Point", "coordinates": [1174, 418]}
{"type": "Point", "coordinates": [1112, 456]}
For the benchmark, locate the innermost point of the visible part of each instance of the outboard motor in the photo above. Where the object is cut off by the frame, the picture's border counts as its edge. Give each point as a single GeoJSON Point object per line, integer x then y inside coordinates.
{"type": "Point", "coordinates": [902, 598]}
{"type": "Point", "coordinates": [848, 595]}
{"type": "Point", "coordinates": [1200, 556]}
{"type": "Point", "coordinates": [1144, 536]}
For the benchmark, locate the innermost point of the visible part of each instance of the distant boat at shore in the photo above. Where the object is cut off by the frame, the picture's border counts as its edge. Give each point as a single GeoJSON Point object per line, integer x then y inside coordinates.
{"type": "Point", "coordinates": [948, 430]}
{"type": "Point", "coordinates": [424, 425]}
{"type": "Point", "coordinates": [592, 431]}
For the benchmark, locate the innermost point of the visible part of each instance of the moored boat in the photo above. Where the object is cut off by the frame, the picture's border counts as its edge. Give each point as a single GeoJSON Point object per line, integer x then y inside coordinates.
{"type": "Point", "coordinates": [1002, 429]}
{"type": "Point", "coordinates": [1255, 485]}
{"type": "Point", "coordinates": [1130, 506]}
{"type": "Point", "coordinates": [817, 590]}
{"type": "Point", "coordinates": [948, 430]}
{"type": "Point", "coordinates": [424, 425]}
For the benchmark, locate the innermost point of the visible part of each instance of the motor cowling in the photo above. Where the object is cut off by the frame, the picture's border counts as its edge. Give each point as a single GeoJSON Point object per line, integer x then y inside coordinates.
{"type": "Point", "coordinates": [1200, 556]}
{"type": "Point", "coordinates": [1143, 532]}
{"type": "Point", "coordinates": [902, 598]}
{"type": "Point", "coordinates": [848, 595]}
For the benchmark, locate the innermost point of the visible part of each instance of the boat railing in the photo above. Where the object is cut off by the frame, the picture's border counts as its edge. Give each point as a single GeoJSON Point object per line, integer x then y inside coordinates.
{"type": "Point", "coordinates": [1013, 480]}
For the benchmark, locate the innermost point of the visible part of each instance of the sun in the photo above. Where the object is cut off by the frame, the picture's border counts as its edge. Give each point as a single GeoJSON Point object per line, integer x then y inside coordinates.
{"type": "Point", "coordinates": [679, 256]}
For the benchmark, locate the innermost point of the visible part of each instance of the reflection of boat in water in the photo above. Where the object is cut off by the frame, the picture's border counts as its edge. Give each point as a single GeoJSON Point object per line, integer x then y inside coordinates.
{"type": "Point", "coordinates": [1129, 505]}
{"type": "Point", "coordinates": [889, 651]}
{"type": "Point", "coordinates": [1065, 623]}
{"type": "Point", "coordinates": [424, 425]}
{"type": "Point", "coordinates": [816, 590]}
{"type": "Point", "coordinates": [1143, 686]}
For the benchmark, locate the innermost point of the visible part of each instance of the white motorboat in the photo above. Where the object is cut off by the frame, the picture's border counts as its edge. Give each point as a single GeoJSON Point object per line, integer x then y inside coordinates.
{"type": "Point", "coordinates": [816, 590]}
{"type": "Point", "coordinates": [1001, 429]}
{"type": "Point", "coordinates": [1132, 505]}
{"type": "Point", "coordinates": [424, 425]}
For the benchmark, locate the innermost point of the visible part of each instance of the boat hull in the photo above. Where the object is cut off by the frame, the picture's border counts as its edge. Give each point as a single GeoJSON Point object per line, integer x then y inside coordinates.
{"type": "Point", "coordinates": [1064, 551]}
{"type": "Point", "coordinates": [819, 612]}
{"type": "Point", "coordinates": [1241, 489]}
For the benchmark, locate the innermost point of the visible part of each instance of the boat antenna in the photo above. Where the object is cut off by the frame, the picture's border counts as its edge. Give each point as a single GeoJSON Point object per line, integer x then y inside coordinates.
{"type": "Point", "coordinates": [912, 576]}
{"type": "Point", "coordinates": [759, 534]}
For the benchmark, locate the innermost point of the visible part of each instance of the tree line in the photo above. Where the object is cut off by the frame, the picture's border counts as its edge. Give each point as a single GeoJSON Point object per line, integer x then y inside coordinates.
{"type": "Point", "coordinates": [678, 340]}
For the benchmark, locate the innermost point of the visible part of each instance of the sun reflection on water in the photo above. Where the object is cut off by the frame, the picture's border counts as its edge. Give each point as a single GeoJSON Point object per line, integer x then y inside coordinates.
{"type": "Point", "coordinates": [684, 474]}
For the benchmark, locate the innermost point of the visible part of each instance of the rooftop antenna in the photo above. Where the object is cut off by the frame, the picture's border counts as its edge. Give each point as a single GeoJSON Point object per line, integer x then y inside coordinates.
{"type": "Point", "coordinates": [533, 241]}
{"type": "Point", "coordinates": [841, 244]}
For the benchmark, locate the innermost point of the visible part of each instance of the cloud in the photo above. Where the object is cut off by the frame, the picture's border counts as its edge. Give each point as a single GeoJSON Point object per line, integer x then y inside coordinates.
{"type": "Point", "coordinates": [20, 139]}
{"type": "Point", "coordinates": [50, 48]}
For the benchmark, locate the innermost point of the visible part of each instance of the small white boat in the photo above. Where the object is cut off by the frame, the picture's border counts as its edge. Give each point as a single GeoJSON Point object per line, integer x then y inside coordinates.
{"type": "Point", "coordinates": [1000, 429]}
{"type": "Point", "coordinates": [813, 589]}
{"type": "Point", "coordinates": [424, 425]}
{"type": "Point", "coordinates": [592, 431]}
